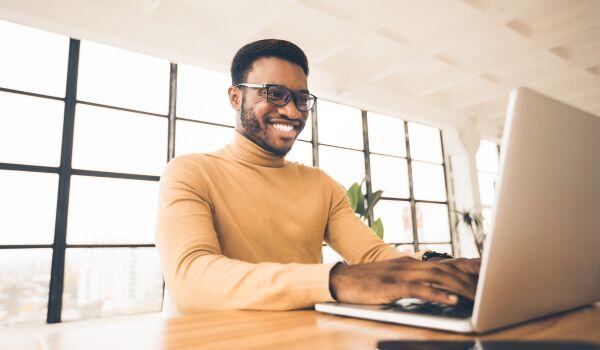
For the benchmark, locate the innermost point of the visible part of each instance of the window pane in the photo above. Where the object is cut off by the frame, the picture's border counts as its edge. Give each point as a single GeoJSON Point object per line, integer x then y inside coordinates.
{"type": "Point", "coordinates": [104, 282]}
{"type": "Point", "coordinates": [306, 133]}
{"type": "Point", "coordinates": [432, 223]}
{"type": "Point", "coordinates": [440, 248]}
{"type": "Point", "coordinates": [487, 219]}
{"type": "Point", "coordinates": [330, 255]}
{"type": "Point", "coordinates": [389, 174]}
{"type": "Point", "coordinates": [30, 129]}
{"type": "Point", "coordinates": [105, 210]}
{"type": "Point", "coordinates": [339, 125]}
{"type": "Point", "coordinates": [405, 248]}
{"type": "Point", "coordinates": [191, 137]}
{"type": "Point", "coordinates": [425, 143]}
{"type": "Point", "coordinates": [428, 181]}
{"type": "Point", "coordinates": [202, 95]}
{"type": "Point", "coordinates": [386, 135]}
{"type": "Point", "coordinates": [112, 140]}
{"type": "Point", "coordinates": [24, 285]}
{"type": "Point", "coordinates": [487, 156]}
{"type": "Point", "coordinates": [33, 60]}
{"type": "Point", "coordinates": [301, 152]}
{"type": "Point", "coordinates": [397, 220]}
{"type": "Point", "coordinates": [345, 166]}
{"type": "Point", "coordinates": [487, 188]}
{"type": "Point", "coordinates": [27, 207]}
{"type": "Point", "coordinates": [122, 78]}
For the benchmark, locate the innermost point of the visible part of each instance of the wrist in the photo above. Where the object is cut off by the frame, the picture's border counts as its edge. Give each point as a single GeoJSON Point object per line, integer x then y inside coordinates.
{"type": "Point", "coordinates": [333, 278]}
{"type": "Point", "coordinates": [435, 256]}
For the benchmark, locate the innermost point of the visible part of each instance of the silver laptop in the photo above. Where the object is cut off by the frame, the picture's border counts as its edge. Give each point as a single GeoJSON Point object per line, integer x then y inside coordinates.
{"type": "Point", "coordinates": [542, 255]}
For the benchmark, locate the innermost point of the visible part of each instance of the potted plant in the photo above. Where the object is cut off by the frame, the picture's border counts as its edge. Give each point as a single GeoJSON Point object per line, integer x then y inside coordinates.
{"type": "Point", "coordinates": [363, 205]}
{"type": "Point", "coordinates": [473, 220]}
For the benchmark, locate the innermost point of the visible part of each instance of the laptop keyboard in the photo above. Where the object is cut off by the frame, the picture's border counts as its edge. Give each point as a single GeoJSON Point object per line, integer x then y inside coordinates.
{"type": "Point", "coordinates": [463, 309]}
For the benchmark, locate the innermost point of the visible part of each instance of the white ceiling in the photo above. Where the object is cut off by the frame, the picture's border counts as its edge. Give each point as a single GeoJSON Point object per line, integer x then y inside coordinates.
{"type": "Point", "coordinates": [450, 63]}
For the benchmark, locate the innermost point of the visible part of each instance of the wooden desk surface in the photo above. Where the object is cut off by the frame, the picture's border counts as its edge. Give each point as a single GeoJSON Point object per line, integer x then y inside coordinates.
{"type": "Point", "coordinates": [304, 329]}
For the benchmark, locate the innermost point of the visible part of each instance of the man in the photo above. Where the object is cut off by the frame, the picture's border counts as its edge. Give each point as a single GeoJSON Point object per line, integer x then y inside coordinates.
{"type": "Point", "coordinates": [242, 228]}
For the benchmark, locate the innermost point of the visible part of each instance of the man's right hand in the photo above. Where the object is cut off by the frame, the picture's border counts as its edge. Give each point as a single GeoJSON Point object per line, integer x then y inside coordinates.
{"type": "Point", "coordinates": [386, 281]}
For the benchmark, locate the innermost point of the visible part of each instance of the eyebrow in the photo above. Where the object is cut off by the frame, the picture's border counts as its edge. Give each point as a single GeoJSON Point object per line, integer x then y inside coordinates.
{"type": "Point", "coordinates": [302, 90]}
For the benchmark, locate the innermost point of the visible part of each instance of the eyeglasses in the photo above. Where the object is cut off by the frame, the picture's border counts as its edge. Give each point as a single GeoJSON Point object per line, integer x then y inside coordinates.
{"type": "Point", "coordinates": [280, 96]}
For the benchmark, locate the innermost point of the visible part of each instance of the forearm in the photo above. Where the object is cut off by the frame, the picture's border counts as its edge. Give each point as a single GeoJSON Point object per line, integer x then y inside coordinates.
{"type": "Point", "coordinates": [215, 282]}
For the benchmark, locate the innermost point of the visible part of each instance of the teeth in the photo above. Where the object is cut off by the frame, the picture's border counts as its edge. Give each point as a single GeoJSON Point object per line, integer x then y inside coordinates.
{"type": "Point", "coordinates": [283, 127]}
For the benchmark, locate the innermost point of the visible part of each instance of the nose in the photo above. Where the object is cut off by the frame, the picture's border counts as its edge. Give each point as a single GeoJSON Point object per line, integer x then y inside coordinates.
{"type": "Point", "coordinates": [291, 111]}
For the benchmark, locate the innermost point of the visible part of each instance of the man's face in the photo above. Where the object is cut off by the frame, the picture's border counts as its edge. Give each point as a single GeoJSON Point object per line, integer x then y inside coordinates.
{"type": "Point", "coordinates": [261, 121]}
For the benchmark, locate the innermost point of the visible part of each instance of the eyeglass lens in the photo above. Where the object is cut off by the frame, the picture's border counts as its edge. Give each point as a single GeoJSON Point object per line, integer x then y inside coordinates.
{"type": "Point", "coordinates": [280, 96]}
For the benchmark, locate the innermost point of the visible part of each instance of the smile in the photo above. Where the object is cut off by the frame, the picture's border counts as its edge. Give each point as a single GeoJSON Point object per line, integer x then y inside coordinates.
{"type": "Point", "coordinates": [283, 127]}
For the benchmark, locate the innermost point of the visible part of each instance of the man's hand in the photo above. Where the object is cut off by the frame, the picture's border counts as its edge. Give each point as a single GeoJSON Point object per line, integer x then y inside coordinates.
{"type": "Point", "coordinates": [386, 281]}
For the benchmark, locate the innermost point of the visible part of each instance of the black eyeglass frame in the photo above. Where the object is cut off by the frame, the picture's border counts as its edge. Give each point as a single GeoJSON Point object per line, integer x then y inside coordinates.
{"type": "Point", "coordinates": [293, 94]}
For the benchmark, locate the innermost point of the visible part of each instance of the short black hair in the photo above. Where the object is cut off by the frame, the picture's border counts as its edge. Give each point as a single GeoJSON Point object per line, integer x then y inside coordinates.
{"type": "Point", "coordinates": [283, 49]}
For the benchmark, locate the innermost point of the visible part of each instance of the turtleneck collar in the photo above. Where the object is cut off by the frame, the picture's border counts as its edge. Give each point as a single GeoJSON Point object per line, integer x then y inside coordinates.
{"type": "Point", "coordinates": [246, 150]}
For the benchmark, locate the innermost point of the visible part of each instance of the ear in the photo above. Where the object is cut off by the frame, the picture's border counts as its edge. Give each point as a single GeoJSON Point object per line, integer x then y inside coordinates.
{"type": "Point", "coordinates": [235, 97]}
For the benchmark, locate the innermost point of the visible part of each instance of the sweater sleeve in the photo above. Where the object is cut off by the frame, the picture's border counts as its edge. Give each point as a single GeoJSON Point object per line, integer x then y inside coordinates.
{"type": "Point", "coordinates": [196, 273]}
{"type": "Point", "coordinates": [352, 238]}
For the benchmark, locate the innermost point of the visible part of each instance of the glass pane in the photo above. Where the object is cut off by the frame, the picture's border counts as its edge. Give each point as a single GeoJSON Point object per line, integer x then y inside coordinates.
{"type": "Point", "coordinates": [440, 248]}
{"type": "Point", "coordinates": [301, 152]}
{"type": "Point", "coordinates": [432, 223]}
{"type": "Point", "coordinates": [425, 143]}
{"type": "Point", "coordinates": [306, 133]}
{"type": "Point", "coordinates": [405, 248]}
{"type": "Point", "coordinates": [33, 60]}
{"type": "Point", "coordinates": [339, 125]}
{"type": "Point", "coordinates": [24, 285]}
{"type": "Point", "coordinates": [487, 156]}
{"type": "Point", "coordinates": [397, 220]}
{"type": "Point", "coordinates": [191, 137]}
{"type": "Point", "coordinates": [487, 219]}
{"type": "Point", "coordinates": [112, 140]}
{"type": "Point", "coordinates": [330, 255]}
{"type": "Point", "coordinates": [123, 78]}
{"type": "Point", "coordinates": [389, 174]}
{"type": "Point", "coordinates": [105, 210]}
{"type": "Point", "coordinates": [27, 207]}
{"type": "Point", "coordinates": [386, 135]}
{"type": "Point", "coordinates": [104, 282]}
{"type": "Point", "coordinates": [202, 95]}
{"type": "Point", "coordinates": [487, 188]}
{"type": "Point", "coordinates": [345, 166]}
{"type": "Point", "coordinates": [30, 129]}
{"type": "Point", "coordinates": [428, 181]}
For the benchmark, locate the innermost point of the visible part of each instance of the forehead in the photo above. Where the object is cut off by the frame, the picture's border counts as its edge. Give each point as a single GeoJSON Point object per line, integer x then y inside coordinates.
{"type": "Point", "coordinates": [271, 70]}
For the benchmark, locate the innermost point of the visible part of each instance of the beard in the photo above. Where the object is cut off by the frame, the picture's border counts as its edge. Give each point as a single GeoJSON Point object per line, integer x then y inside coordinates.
{"type": "Point", "coordinates": [256, 131]}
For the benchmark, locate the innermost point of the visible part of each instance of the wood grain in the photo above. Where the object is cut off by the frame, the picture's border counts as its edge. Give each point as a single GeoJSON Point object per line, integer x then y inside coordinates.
{"type": "Point", "coordinates": [305, 329]}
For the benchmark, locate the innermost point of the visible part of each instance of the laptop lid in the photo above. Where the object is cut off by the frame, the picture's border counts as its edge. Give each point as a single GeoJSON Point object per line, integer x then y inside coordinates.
{"type": "Point", "coordinates": [543, 252]}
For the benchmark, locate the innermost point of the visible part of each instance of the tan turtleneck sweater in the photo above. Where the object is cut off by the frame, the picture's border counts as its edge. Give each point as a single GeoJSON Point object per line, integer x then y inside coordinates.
{"type": "Point", "coordinates": [241, 228]}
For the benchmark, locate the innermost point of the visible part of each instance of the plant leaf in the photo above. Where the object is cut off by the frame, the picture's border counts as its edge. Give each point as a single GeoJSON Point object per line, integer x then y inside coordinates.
{"type": "Point", "coordinates": [375, 197]}
{"type": "Point", "coordinates": [354, 195]}
{"type": "Point", "coordinates": [377, 227]}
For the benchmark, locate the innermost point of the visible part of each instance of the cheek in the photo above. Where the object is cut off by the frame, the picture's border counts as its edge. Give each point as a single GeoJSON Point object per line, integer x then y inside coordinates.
{"type": "Point", "coordinates": [261, 110]}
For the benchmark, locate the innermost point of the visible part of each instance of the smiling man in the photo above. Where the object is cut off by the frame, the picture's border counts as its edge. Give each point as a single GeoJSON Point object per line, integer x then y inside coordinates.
{"type": "Point", "coordinates": [242, 228]}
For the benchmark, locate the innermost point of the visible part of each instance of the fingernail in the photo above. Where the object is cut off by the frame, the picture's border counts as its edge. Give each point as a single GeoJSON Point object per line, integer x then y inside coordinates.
{"type": "Point", "coordinates": [453, 299]}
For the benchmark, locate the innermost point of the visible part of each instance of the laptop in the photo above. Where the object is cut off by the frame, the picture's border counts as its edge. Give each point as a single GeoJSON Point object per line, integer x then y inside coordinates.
{"type": "Point", "coordinates": [542, 255]}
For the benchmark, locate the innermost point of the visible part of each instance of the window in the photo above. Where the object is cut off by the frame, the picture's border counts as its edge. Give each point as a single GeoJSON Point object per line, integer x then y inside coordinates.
{"type": "Point", "coordinates": [339, 125]}
{"type": "Point", "coordinates": [487, 169]}
{"type": "Point", "coordinates": [32, 60]}
{"type": "Point", "coordinates": [195, 137]}
{"type": "Point", "coordinates": [121, 78]}
{"type": "Point", "coordinates": [22, 143]}
{"type": "Point", "coordinates": [112, 140]}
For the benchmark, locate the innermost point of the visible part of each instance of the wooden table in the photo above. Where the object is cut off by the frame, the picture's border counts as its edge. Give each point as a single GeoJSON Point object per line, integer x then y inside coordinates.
{"type": "Point", "coordinates": [305, 329]}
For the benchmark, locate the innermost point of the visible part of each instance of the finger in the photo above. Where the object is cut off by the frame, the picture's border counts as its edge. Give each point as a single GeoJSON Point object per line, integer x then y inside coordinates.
{"type": "Point", "coordinates": [428, 293]}
{"type": "Point", "coordinates": [465, 277]}
{"type": "Point", "coordinates": [444, 280]}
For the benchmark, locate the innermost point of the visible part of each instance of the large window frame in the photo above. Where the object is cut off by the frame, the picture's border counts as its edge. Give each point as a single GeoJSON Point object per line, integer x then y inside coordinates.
{"type": "Point", "coordinates": [65, 171]}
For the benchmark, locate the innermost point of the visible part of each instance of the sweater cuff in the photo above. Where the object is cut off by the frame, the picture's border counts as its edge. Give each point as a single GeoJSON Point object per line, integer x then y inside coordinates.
{"type": "Point", "coordinates": [319, 283]}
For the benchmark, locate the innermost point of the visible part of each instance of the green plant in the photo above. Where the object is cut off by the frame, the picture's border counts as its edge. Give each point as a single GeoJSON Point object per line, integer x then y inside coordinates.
{"type": "Point", "coordinates": [357, 201]}
{"type": "Point", "coordinates": [474, 222]}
